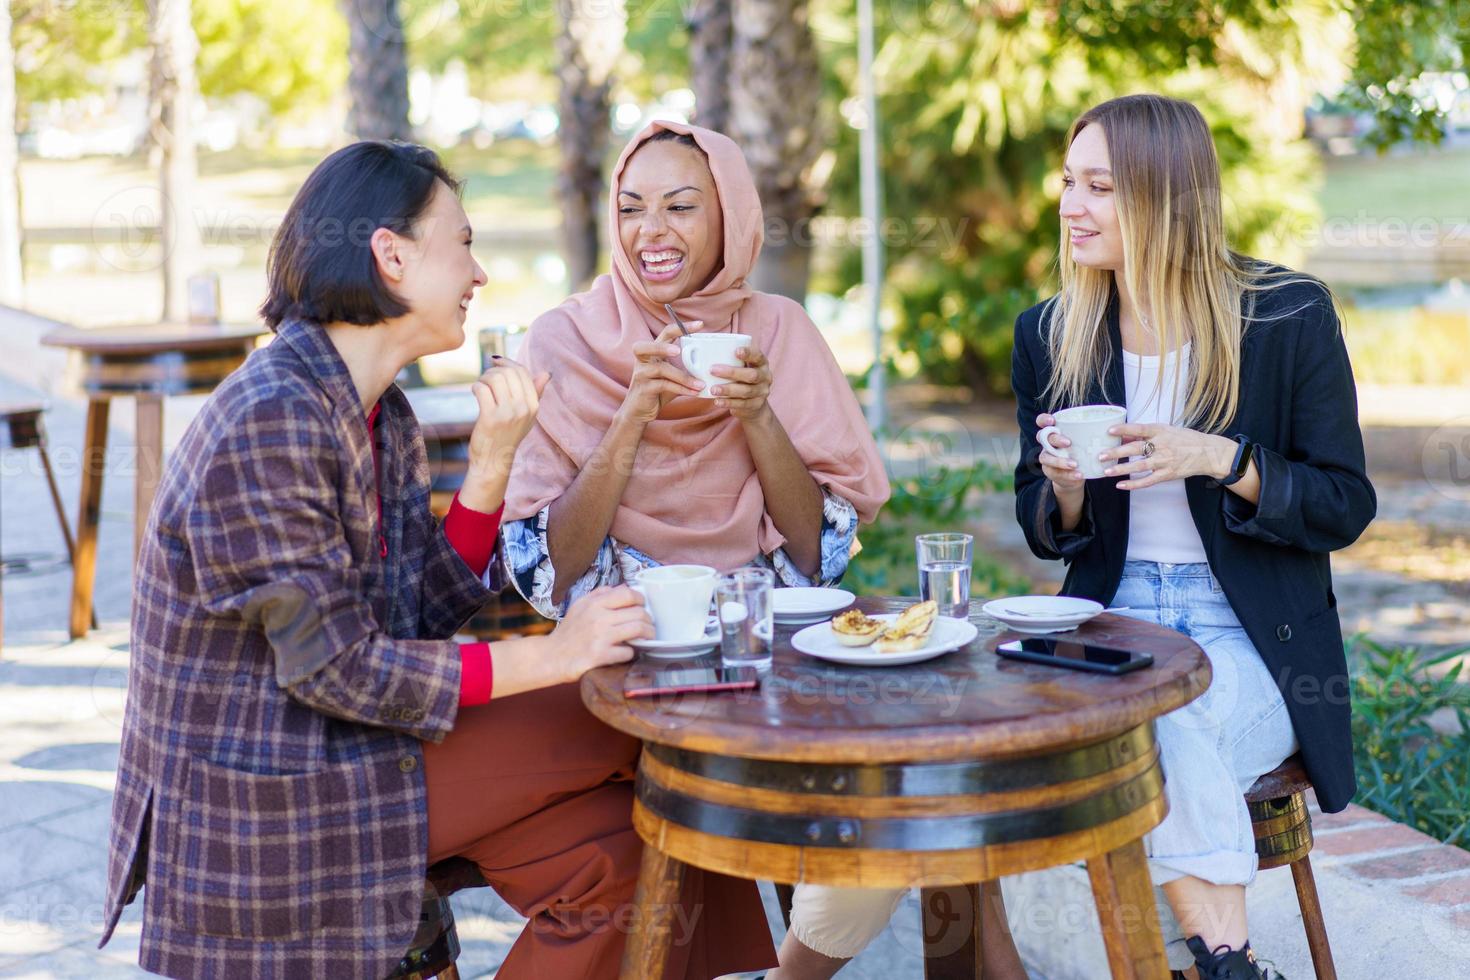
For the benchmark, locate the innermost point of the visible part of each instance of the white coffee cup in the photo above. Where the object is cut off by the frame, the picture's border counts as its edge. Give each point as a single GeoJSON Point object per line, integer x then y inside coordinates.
{"type": "Point", "coordinates": [677, 597]}
{"type": "Point", "coordinates": [703, 351]}
{"type": "Point", "coordinates": [1087, 426]}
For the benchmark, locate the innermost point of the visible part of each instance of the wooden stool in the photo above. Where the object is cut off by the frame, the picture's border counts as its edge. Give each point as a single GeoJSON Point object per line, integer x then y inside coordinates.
{"type": "Point", "coordinates": [1283, 830]}
{"type": "Point", "coordinates": [22, 427]}
{"type": "Point", "coordinates": [436, 944]}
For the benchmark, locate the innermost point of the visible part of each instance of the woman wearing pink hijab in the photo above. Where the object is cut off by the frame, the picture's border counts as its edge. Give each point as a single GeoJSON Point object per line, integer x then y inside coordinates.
{"type": "Point", "coordinates": [625, 469]}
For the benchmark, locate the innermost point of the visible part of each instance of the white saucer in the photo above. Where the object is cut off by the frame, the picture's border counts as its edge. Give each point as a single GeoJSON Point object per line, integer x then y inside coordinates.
{"type": "Point", "coordinates": [948, 634]}
{"type": "Point", "coordinates": [676, 648]}
{"type": "Point", "coordinates": [1042, 613]}
{"type": "Point", "coordinates": [799, 606]}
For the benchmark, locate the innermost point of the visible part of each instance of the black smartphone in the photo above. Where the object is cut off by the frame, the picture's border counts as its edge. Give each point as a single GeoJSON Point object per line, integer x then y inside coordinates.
{"type": "Point", "coordinates": [642, 683]}
{"type": "Point", "coordinates": [1075, 656]}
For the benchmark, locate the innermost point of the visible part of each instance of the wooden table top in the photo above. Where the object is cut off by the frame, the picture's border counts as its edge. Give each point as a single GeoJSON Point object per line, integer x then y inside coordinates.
{"type": "Point", "coordinates": [153, 338]}
{"type": "Point", "coordinates": [969, 703]}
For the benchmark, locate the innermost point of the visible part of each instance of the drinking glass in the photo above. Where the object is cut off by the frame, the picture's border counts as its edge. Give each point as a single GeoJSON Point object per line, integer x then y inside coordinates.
{"type": "Point", "coordinates": [743, 599]}
{"type": "Point", "coordinates": [492, 341]}
{"type": "Point", "coordinates": [944, 571]}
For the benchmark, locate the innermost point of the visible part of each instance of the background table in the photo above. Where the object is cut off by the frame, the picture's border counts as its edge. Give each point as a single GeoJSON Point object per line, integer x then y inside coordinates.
{"type": "Point", "coordinates": [447, 417]}
{"type": "Point", "coordinates": [951, 772]}
{"type": "Point", "coordinates": [149, 363]}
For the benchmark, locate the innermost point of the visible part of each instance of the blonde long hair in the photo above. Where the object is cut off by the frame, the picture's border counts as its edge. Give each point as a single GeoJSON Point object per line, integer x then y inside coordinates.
{"type": "Point", "coordinates": [1176, 262]}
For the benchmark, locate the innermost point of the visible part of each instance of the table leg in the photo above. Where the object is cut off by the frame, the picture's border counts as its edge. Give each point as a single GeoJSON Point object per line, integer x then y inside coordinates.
{"type": "Point", "coordinates": [71, 544]}
{"type": "Point", "coordinates": [84, 565]}
{"type": "Point", "coordinates": [952, 932]}
{"type": "Point", "coordinates": [660, 879]}
{"type": "Point", "coordinates": [966, 934]}
{"type": "Point", "coordinates": [1130, 919]}
{"type": "Point", "coordinates": [150, 463]}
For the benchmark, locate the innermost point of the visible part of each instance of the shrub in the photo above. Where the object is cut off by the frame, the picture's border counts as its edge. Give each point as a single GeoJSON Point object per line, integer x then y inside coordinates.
{"type": "Point", "coordinates": [937, 501]}
{"type": "Point", "coordinates": [1408, 770]}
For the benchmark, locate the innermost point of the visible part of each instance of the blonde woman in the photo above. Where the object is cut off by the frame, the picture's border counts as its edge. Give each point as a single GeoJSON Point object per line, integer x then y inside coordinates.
{"type": "Point", "coordinates": [1241, 467]}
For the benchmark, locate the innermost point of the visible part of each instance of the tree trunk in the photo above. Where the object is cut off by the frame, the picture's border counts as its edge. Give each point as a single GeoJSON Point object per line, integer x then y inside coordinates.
{"type": "Point", "coordinates": [174, 89]}
{"type": "Point", "coordinates": [587, 49]}
{"type": "Point", "coordinates": [12, 286]}
{"type": "Point", "coordinates": [377, 74]}
{"type": "Point", "coordinates": [774, 102]}
{"type": "Point", "coordinates": [710, 26]}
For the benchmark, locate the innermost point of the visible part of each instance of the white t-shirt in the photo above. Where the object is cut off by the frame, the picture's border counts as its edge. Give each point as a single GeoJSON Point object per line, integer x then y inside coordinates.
{"type": "Point", "coordinates": [1160, 527]}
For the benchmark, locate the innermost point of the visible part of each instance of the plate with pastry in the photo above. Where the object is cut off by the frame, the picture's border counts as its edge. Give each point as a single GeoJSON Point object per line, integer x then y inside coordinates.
{"type": "Point", "coordinates": [890, 640]}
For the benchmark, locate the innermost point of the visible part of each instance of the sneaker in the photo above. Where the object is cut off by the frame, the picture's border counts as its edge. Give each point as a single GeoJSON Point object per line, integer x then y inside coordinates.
{"type": "Point", "coordinates": [1224, 963]}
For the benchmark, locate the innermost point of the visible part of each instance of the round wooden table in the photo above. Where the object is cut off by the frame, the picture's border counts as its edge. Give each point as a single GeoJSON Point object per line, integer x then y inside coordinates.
{"type": "Point", "coordinates": [952, 772]}
{"type": "Point", "coordinates": [147, 363]}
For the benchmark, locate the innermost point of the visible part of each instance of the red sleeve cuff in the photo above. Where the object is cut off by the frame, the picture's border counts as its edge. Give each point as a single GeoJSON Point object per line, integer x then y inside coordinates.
{"type": "Point", "coordinates": [477, 674]}
{"type": "Point", "coordinates": [472, 534]}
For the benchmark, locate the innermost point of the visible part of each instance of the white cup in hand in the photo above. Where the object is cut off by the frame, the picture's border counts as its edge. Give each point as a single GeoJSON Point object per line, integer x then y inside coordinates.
{"type": "Point", "coordinates": [678, 598]}
{"type": "Point", "coordinates": [1087, 428]}
{"type": "Point", "coordinates": [701, 352]}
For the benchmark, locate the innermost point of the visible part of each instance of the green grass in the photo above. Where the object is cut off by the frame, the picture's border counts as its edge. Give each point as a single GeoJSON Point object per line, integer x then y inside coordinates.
{"type": "Point", "coordinates": [1408, 345]}
{"type": "Point", "coordinates": [511, 182]}
{"type": "Point", "coordinates": [1420, 183]}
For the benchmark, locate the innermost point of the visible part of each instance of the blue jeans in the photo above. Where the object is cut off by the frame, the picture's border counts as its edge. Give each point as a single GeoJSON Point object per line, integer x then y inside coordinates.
{"type": "Point", "coordinates": [1216, 746]}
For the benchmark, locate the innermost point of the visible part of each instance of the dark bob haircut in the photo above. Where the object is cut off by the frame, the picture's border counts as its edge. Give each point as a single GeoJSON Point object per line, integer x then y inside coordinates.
{"type": "Point", "coordinates": [321, 267]}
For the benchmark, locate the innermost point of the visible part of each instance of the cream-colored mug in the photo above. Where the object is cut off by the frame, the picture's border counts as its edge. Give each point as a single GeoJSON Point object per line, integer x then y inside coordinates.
{"type": "Point", "coordinates": [1087, 426]}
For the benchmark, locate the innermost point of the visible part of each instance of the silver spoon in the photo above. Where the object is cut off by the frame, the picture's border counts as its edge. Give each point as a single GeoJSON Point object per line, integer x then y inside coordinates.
{"type": "Point", "coordinates": [1021, 614]}
{"type": "Point", "coordinates": [670, 308]}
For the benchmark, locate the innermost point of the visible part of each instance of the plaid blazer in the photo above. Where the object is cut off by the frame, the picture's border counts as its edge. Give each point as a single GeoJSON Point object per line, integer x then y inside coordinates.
{"type": "Point", "coordinates": [270, 788]}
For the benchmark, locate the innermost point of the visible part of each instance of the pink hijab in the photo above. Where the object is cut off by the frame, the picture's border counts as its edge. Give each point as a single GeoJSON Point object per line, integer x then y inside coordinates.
{"type": "Point", "coordinates": [694, 495]}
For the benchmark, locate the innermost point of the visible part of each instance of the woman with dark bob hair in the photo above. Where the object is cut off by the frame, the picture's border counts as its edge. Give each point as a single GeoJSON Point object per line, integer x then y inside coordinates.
{"type": "Point", "coordinates": [302, 738]}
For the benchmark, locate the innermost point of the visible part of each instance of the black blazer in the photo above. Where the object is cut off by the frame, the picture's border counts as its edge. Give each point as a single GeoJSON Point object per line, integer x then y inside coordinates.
{"type": "Point", "coordinates": [1299, 405]}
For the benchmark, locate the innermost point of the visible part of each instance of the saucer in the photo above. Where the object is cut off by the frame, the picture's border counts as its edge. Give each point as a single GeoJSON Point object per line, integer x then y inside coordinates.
{"type": "Point", "coordinates": [676, 648]}
{"type": "Point", "coordinates": [1042, 613]}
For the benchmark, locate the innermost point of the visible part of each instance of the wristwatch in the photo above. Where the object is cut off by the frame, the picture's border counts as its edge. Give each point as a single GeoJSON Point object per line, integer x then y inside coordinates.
{"type": "Point", "coordinates": [1244, 450]}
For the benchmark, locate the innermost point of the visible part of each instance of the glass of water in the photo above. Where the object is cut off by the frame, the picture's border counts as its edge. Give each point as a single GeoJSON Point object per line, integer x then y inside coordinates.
{"type": "Point", "coordinates": [944, 571]}
{"type": "Point", "coordinates": [743, 600]}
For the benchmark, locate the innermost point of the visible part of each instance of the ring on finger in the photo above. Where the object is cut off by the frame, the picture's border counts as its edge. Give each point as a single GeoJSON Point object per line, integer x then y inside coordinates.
{"type": "Point", "coordinates": [1148, 449]}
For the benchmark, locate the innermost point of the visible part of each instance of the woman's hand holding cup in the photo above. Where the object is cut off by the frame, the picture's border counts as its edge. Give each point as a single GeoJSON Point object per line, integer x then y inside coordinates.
{"type": "Point", "coordinates": [746, 388]}
{"type": "Point", "coordinates": [655, 381]}
{"type": "Point", "coordinates": [1067, 481]}
{"type": "Point", "coordinates": [596, 630]}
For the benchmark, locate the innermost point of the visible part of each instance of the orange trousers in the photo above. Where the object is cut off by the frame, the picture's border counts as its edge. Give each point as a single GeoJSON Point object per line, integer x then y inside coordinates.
{"type": "Point", "coordinates": [539, 794]}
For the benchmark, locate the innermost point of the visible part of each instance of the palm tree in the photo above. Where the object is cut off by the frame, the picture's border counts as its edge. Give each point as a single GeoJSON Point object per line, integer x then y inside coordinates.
{"type": "Point", "coordinates": [588, 44]}
{"type": "Point", "coordinates": [12, 292]}
{"type": "Point", "coordinates": [774, 102]}
{"type": "Point", "coordinates": [710, 26]}
{"type": "Point", "coordinates": [173, 88]}
{"type": "Point", "coordinates": [377, 70]}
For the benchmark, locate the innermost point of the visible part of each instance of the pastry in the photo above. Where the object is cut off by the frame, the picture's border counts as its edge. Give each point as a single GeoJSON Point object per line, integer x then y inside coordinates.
{"type": "Point", "coordinates": [854, 629]}
{"type": "Point", "coordinates": [910, 630]}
